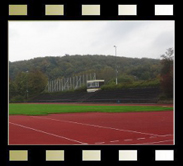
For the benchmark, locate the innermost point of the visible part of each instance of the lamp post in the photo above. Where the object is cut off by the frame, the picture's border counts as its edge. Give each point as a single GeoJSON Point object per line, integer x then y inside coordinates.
{"type": "Point", "coordinates": [116, 65]}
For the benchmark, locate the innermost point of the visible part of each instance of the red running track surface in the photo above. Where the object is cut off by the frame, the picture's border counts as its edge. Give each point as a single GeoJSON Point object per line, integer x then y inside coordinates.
{"type": "Point", "coordinates": [143, 128]}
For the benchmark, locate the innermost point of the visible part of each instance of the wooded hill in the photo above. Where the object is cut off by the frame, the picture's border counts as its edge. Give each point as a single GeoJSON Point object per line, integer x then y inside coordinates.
{"type": "Point", "coordinates": [29, 78]}
{"type": "Point", "coordinates": [104, 66]}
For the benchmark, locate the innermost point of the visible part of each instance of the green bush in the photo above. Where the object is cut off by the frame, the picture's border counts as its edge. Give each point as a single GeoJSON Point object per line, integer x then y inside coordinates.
{"type": "Point", "coordinates": [126, 79]}
{"type": "Point", "coordinates": [134, 84]}
{"type": "Point", "coordinates": [17, 98]}
{"type": "Point", "coordinates": [81, 89]}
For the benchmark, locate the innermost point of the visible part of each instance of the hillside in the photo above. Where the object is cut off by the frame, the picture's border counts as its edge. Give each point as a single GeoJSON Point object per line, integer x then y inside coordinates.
{"type": "Point", "coordinates": [104, 66]}
{"type": "Point", "coordinates": [29, 78]}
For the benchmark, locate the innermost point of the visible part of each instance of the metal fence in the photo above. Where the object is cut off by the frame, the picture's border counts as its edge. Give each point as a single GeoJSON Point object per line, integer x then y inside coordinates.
{"type": "Point", "coordinates": [69, 83]}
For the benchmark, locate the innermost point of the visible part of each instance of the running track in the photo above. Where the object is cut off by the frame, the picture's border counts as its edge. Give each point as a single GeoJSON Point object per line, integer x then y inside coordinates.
{"type": "Point", "coordinates": [143, 128]}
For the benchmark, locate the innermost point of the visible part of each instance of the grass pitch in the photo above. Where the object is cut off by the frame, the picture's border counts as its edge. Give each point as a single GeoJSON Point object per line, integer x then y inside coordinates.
{"type": "Point", "coordinates": [44, 109]}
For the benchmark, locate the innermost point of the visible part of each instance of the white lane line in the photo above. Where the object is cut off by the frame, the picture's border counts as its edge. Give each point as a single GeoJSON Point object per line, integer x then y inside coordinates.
{"type": "Point", "coordinates": [115, 141]}
{"type": "Point", "coordinates": [128, 139]}
{"type": "Point", "coordinates": [153, 137]}
{"type": "Point", "coordinates": [166, 135]}
{"type": "Point", "coordinates": [140, 138]}
{"type": "Point", "coordinates": [99, 142]}
{"type": "Point", "coordinates": [149, 143]}
{"type": "Point", "coordinates": [92, 125]}
{"type": "Point", "coordinates": [41, 131]}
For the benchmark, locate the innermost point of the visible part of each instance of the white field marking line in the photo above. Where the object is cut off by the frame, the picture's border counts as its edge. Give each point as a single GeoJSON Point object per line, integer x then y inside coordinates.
{"type": "Point", "coordinates": [133, 139]}
{"type": "Point", "coordinates": [128, 139]}
{"type": "Point", "coordinates": [41, 131]}
{"type": "Point", "coordinates": [153, 142]}
{"type": "Point", "coordinates": [99, 142]}
{"type": "Point", "coordinates": [140, 138]}
{"type": "Point", "coordinates": [140, 143]}
{"type": "Point", "coordinates": [124, 130]}
{"type": "Point", "coordinates": [153, 137]}
{"type": "Point", "coordinates": [115, 141]}
{"type": "Point", "coordinates": [166, 135]}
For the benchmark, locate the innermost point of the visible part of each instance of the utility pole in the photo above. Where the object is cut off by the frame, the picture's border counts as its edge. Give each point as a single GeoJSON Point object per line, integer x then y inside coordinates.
{"type": "Point", "coordinates": [116, 65]}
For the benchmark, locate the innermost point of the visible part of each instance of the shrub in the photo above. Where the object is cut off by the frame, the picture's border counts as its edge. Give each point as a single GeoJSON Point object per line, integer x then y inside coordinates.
{"type": "Point", "coordinates": [17, 98]}
{"type": "Point", "coordinates": [135, 84]}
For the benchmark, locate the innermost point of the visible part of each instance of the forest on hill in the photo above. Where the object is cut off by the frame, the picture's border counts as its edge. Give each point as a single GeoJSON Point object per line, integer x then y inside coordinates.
{"type": "Point", "coordinates": [104, 66]}
{"type": "Point", "coordinates": [30, 77]}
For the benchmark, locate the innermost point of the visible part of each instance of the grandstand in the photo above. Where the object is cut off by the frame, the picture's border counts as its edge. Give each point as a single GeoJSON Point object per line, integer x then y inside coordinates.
{"type": "Point", "coordinates": [131, 95]}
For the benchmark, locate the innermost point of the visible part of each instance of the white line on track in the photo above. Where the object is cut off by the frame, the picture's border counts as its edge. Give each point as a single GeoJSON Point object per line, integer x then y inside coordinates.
{"type": "Point", "coordinates": [41, 131]}
{"type": "Point", "coordinates": [140, 138]}
{"type": "Point", "coordinates": [149, 143]}
{"type": "Point", "coordinates": [92, 125]}
{"type": "Point", "coordinates": [115, 141]}
{"type": "Point", "coordinates": [166, 135]}
{"type": "Point", "coordinates": [153, 137]}
{"type": "Point", "coordinates": [99, 142]}
{"type": "Point", "coordinates": [128, 139]}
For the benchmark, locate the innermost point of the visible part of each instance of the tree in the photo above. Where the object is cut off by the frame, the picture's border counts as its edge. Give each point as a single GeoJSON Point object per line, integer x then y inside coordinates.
{"type": "Point", "coordinates": [27, 84]}
{"type": "Point", "coordinates": [167, 73]}
{"type": "Point", "coordinates": [12, 89]}
{"type": "Point", "coordinates": [107, 73]}
{"type": "Point", "coordinates": [21, 81]}
{"type": "Point", "coordinates": [36, 82]}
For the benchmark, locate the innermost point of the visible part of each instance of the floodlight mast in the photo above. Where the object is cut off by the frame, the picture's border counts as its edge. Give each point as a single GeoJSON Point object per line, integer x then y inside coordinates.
{"type": "Point", "coordinates": [116, 65]}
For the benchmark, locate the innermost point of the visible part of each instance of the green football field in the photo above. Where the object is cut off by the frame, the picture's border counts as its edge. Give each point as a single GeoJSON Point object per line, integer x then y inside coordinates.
{"type": "Point", "coordinates": [44, 109]}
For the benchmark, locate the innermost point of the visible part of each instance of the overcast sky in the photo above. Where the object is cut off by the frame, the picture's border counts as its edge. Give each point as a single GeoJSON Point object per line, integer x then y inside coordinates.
{"type": "Point", "coordinates": [138, 39]}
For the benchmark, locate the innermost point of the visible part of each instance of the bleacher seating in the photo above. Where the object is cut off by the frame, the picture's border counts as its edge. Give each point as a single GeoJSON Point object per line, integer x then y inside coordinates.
{"type": "Point", "coordinates": [133, 95]}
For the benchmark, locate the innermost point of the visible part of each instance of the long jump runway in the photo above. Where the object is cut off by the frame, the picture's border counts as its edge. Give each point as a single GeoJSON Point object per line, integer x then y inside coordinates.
{"type": "Point", "coordinates": [140, 128]}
